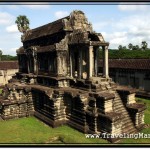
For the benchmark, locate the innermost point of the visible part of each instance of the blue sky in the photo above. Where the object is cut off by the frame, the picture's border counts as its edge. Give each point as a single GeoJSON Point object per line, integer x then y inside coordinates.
{"type": "Point", "coordinates": [119, 24]}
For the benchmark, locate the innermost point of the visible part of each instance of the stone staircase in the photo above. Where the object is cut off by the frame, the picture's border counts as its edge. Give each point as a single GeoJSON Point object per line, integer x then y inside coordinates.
{"type": "Point", "coordinates": [118, 106]}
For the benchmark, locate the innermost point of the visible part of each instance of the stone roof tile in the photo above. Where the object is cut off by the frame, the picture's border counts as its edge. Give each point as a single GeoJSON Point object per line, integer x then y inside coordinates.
{"type": "Point", "coordinates": [4, 65]}
{"type": "Point", "coordinates": [143, 64]}
{"type": "Point", "coordinates": [45, 30]}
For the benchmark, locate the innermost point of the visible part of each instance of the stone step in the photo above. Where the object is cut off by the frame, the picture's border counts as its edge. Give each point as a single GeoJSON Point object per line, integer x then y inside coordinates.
{"type": "Point", "coordinates": [120, 110]}
{"type": "Point", "coordinates": [129, 127]}
{"type": "Point", "coordinates": [118, 102]}
{"type": "Point", "coordinates": [130, 131]}
{"type": "Point", "coordinates": [127, 120]}
{"type": "Point", "coordinates": [128, 124]}
{"type": "Point", "coordinates": [118, 106]}
{"type": "Point", "coordinates": [123, 112]}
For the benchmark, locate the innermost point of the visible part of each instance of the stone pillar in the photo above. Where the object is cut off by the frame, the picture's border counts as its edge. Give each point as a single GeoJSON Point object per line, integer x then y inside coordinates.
{"type": "Point", "coordinates": [35, 65]}
{"type": "Point", "coordinates": [80, 64]}
{"type": "Point", "coordinates": [105, 62]}
{"type": "Point", "coordinates": [61, 63]}
{"type": "Point", "coordinates": [70, 64]}
{"type": "Point", "coordinates": [90, 72]}
{"type": "Point", "coordinates": [58, 59]}
{"type": "Point", "coordinates": [34, 54]}
{"type": "Point", "coordinates": [96, 59]}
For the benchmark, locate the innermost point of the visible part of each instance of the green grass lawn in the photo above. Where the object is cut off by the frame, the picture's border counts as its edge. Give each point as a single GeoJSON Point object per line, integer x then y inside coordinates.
{"type": "Point", "coordinates": [0, 91]}
{"type": "Point", "coordinates": [31, 130]}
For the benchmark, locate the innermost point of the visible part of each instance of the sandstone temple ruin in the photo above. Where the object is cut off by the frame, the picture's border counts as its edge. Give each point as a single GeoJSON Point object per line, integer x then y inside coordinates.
{"type": "Point", "coordinates": [58, 81]}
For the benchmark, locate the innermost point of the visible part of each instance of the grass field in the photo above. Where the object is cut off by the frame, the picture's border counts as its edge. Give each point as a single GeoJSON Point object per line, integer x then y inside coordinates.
{"type": "Point", "coordinates": [31, 130]}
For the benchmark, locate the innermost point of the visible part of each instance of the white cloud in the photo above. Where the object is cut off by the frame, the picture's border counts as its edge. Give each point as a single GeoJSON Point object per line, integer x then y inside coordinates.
{"type": "Point", "coordinates": [139, 21]}
{"type": "Point", "coordinates": [12, 29]}
{"type": "Point", "coordinates": [132, 7]}
{"type": "Point", "coordinates": [6, 18]}
{"type": "Point", "coordinates": [10, 51]}
{"type": "Point", "coordinates": [116, 38]}
{"type": "Point", "coordinates": [13, 49]}
{"type": "Point", "coordinates": [133, 28]}
{"type": "Point", "coordinates": [9, 42]}
{"type": "Point", "coordinates": [61, 14]}
{"type": "Point", "coordinates": [99, 25]}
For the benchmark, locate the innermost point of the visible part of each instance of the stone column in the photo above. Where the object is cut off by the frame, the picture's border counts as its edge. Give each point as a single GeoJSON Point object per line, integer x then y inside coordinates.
{"type": "Point", "coordinates": [34, 54]}
{"type": "Point", "coordinates": [70, 63]}
{"type": "Point", "coordinates": [90, 62]}
{"type": "Point", "coordinates": [105, 62]}
{"type": "Point", "coordinates": [58, 63]}
{"type": "Point", "coordinates": [96, 59]}
{"type": "Point", "coordinates": [80, 64]}
{"type": "Point", "coordinates": [35, 65]}
{"type": "Point", "coordinates": [61, 66]}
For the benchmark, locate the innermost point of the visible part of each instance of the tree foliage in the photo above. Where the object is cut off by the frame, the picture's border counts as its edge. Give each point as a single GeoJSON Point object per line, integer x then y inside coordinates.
{"type": "Point", "coordinates": [130, 46]}
{"type": "Point", "coordinates": [9, 58]}
{"type": "Point", "coordinates": [1, 54]}
{"type": "Point", "coordinates": [22, 23]}
{"type": "Point", "coordinates": [120, 47]}
{"type": "Point", "coordinates": [127, 54]}
{"type": "Point", "coordinates": [144, 46]}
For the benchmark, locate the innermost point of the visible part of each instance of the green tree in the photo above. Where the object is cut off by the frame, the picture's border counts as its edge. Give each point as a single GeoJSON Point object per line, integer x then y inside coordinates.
{"type": "Point", "coordinates": [137, 47]}
{"type": "Point", "coordinates": [120, 47]}
{"type": "Point", "coordinates": [8, 58]}
{"type": "Point", "coordinates": [130, 46]}
{"type": "Point", "coordinates": [124, 48]}
{"type": "Point", "coordinates": [1, 53]}
{"type": "Point", "coordinates": [144, 45]}
{"type": "Point", "coordinates": [134, 48]}
{"type": "Point", "coordinates": [22, 23]}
